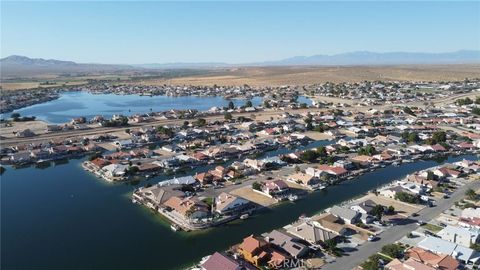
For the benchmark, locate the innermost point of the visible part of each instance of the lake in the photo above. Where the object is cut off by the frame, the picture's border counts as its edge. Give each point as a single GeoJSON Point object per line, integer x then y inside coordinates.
{"type": "Point", "coordinates": [82, 103]}
{"type": "Point", "coordinates": [62, 217]}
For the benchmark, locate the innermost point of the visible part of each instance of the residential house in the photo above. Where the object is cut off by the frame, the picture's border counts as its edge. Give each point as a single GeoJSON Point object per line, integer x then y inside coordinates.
{"type": "Point", "coordinates": [204, 178]}
{"type": "Point", "coordinates": [440, 246]}
{"type": "Point", "coordinates": [363, 160]}
{"type": "Point", "coordinates": [332, 171]}
{"type": "Point", "coordinates": [437, 261]}
{"type": "Point", "coordinates": [189, 208]}
{"type": "Point", "coordinates": [364, 207]}
{"type": "Point", "coordinates": [305, 179]}
{"type": "Point", "coordinates": [275, 188]}
{"type": "Point", "coordinates": [98, 163]}
{"type": "Point", "coordinates": [330, 223]}
{"type": "Point", "coordinates": [229, 204]}
{"type": "Point", "coordinates": [311, 233]}
{"type": "Point", "coordinates": [446, 172]}
{"type": "Point", "coordinates": [287, 243]}
{"type": "Point", "coordinates": [253, 250]}
{"type": "Point", "coordinates": [220, 261]}
{"type": "Point", "coordinates": [254, 164]}
{"type": "Point", "coordinates": [349, 216]}
{"type": "Point", "coordinates": [113, 171]}
{"type": "Point", "coordinates": [460, 235]}
{"type": "Point", "coordinates": [409, 264]}
{"type": "Point", "coordinates": [392, 191]}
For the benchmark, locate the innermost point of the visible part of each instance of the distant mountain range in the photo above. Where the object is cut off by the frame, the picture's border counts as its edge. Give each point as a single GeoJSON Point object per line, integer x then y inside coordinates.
{"type": "Point", "coordinates": [351, 58]}
{"type": "Point", "coordinates": [390, 58]}
{"type": "Point", "coordinates": [24, 65]}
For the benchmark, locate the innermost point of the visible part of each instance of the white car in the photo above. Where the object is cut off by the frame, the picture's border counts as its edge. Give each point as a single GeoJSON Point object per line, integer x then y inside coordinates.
{"type": "Point", "coordinates": [372, 238]}
{"type": "Point", "coordinates": [421, 222]}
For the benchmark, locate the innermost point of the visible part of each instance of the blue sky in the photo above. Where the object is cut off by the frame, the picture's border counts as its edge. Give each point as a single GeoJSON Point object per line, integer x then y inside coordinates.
{"type": "Point", "coordinates": [233, 32]}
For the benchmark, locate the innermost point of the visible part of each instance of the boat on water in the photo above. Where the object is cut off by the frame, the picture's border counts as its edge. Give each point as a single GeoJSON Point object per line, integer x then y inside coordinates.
{"type": "Point", "coordinates": [175, 227]}
{"type": "Point", "coordinates": [293, 198]}
{"type": "Point", "coordinates": [396, 163]}
{"type": "Point", "coordinates": [244, 216]}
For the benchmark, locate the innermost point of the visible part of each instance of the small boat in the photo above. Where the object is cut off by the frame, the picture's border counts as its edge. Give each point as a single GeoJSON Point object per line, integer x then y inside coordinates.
{"type": "Point", "coordinates": [292, 198]}
{"type": "Point", "coordinates": [175, 227]}
{"type": "Point", "coordinates": [244, 216]}
{"type": "Point", "coordinates": [396, 163]}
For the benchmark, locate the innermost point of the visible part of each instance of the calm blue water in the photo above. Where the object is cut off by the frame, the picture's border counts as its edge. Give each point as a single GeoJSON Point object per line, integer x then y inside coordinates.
{"type": "Point", "coordinates": [64, 218]}
{"type": "Point", "coordinates": [75, 104]}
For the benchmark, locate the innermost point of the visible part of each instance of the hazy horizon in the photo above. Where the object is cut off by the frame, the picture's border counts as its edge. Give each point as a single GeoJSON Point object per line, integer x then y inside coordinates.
{"type": "Point", "coordinates": [231, 32]}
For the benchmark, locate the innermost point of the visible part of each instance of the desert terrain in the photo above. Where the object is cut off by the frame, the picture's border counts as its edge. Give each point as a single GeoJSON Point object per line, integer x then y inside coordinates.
{"type": "Point", "coordinates": [260, 76]}
{"type": "Point", "coordinates": [296, 75]}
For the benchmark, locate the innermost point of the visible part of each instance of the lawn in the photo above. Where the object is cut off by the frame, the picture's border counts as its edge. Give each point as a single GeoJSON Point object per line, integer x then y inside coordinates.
{"type": "Point", "coordinates": [433, 228]}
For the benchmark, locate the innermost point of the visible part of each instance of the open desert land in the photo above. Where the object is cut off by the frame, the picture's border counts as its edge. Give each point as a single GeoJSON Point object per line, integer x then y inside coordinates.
{"type": "Point", "coordinates": [29, 85]}
{"type": "Point", "coordinates": [254, 76]}
{"type": "Point", "coordinates": [53, 80]}
{"type": "Point", "coordinates": [301, 75]}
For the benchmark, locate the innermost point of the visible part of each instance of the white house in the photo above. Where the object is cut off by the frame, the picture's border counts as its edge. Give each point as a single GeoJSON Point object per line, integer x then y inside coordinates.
{"type": "Point", "coordinates": [226, 203]}
{"type": "Point", "coordinates": [460, 235]}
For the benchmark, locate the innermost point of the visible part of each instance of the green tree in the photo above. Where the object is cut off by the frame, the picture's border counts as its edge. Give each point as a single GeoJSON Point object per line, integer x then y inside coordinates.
{"type": "Point", "coordinates": [165, 130]}
{"type": "Point", "coordinates": [330, 244]}
{"type": "Point", "coordinates": [228, 116]}
{"type": "Point", "coordinates": [373, 263]}
{"type": "Point", "coordinates": [464, 101]}
{"type": "Point", "coordinates": [393, 250]}
{"type": "Point", "coordinates": [322, 151]}
{"type": "Point", "coordinates": [201, 122]}
{"type": "Point", "coordinates": [476, 110]}
{"type": "Point", "coordinates": [471, 194]}
{"type": "Point", "coordinates": [15, 115]}
{"type": "Point", "coordinates": [413, 137]}
{"type": "Point", "coordinates": [408, 111]}
{"type": "Point", "coordinates": [309, 156]}
{"type": "Point", "coordinates": [231, 106]}
{"type": "Point", "coordinates": [257, 186]}
{"type": "Point", "coordinates": [439, 136]}
{"type": "Point", "coordinates": [407, 197]}
{"type": "Point", "coordinates": [248, 104]}
{"type": "Point", "coordinates": [378, 211]}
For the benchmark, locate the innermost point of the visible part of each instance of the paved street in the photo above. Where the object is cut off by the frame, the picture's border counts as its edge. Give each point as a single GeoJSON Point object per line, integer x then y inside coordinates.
{"type": "Point", "coordinates": [395, 233]}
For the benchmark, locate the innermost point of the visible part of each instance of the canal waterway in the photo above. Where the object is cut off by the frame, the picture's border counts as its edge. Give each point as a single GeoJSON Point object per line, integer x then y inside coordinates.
{"type": "Point", "coordinates": [62, 217]}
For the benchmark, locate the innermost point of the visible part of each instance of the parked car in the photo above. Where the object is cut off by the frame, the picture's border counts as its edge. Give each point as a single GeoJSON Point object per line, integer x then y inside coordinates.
{"type": "Point", "coordinates": [372, 238]}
